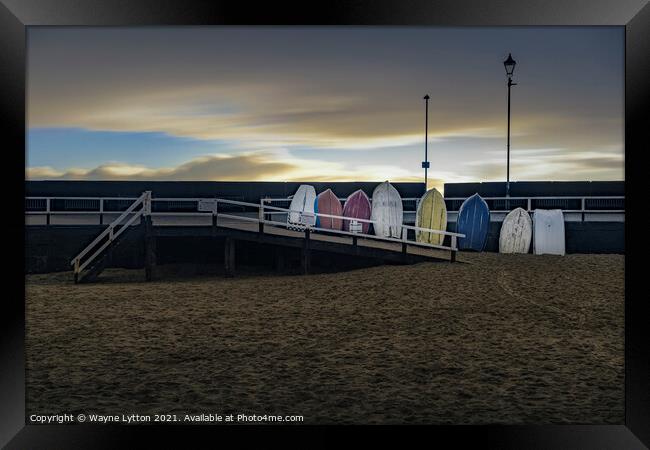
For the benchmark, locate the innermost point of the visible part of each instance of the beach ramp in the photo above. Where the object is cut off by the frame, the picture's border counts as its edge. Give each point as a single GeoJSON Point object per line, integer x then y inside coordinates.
{"type": "Point", "coordinates": [235, 221]}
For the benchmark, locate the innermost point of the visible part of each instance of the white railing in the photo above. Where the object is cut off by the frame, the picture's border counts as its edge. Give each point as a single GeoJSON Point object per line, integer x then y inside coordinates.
{"type": "Point", "coordinates": [527, 203]}
{"type": "Point", "coordinates": [127, 217]}
{"type": "Point", "coordinates": [272, 200]}
{"type": "Point", "coordinates": [46, 204]}
{"type": "Point", "coordinates": [403, 239]}
{"type": "Point", "coordinates": [109, 234]}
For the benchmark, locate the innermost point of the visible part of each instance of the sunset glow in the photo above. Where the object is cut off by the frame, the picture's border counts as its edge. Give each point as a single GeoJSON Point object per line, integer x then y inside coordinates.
{"type": "Point", "coordinates": [323, 103]}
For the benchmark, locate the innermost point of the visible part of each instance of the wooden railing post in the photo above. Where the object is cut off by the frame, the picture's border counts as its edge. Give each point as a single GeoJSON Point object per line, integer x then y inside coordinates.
{"type": "Point", "coordinates": [454, 248]}
{"type": "Point", "coordinates": [76, 270]}
{"type": "Point", "coordinates": [149, 248]}
{"type": "Point", "coordinates": [147, 203]}
{"type": "Point", "coordinates": [260, 216]}
{"type": "Point", "coordinates": [306, 253]}
{"type": "Point", "coordinates": [149, 238]}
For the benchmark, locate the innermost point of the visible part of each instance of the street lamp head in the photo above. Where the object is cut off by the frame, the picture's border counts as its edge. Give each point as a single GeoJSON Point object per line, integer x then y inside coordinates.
{"type": "Point", "coordinates": [509, 64]}
{"type": "Point", "coordinates": [426, 97]}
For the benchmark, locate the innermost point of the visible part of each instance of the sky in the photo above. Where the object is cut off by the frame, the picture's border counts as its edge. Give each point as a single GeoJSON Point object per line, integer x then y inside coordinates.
{"type": "Point", "coordinates": [323, 103]}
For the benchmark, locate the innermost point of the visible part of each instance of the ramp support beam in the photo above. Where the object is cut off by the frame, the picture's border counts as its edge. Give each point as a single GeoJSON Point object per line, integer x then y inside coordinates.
{"type": "Point", "coordinates": [149, 248]}
{"type": "Point", "coordinates": [229, 257]}
{"type": "Point", "coordinates": [306, 253]}
{"type": "Point", "coordinates": [280, 258]}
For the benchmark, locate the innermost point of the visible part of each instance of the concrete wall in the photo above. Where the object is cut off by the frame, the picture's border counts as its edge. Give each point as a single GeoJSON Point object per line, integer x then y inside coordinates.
{"type": "Point", "coordinates": [581, 237]}
{"type": "Point", "coordinates": [50, 249]}
{"type": "Point", "coordinates": [537, 189]}
{"type": "Point", "coordinates": [249, 191]}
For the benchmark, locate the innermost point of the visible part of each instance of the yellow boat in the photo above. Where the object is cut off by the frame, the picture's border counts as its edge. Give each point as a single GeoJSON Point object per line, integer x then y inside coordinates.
{"type": "Point", "coordinates": [432, 214]}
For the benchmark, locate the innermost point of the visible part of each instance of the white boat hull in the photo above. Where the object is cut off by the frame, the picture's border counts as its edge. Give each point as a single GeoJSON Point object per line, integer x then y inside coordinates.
{"type": "Point", "coordinates": [302, 207]}
{"type": "Point", "coordinates": [548, 232]}
{"type": "Point", "coordinates": [516, 232]}
{"type": "Point", "coordinates": [387, 211]}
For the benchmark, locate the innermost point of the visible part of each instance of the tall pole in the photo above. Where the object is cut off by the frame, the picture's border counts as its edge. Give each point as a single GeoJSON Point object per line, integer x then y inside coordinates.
{"type": "Point", "coordinates": [508, 163]}
{"type": "Point", "coordinates": [509, 64]}
{"type": "Point", "coordinates": [425, 164]}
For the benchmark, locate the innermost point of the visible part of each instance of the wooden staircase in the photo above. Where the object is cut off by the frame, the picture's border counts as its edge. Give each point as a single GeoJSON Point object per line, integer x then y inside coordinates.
{"type": "Point", "coordinates": [97, 255]}
{"type": "Point", "coordinates": [101, 262]}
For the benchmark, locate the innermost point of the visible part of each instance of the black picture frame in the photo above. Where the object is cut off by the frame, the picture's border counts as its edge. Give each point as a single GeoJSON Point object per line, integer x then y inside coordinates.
{"type": "Point", "coordinates": [634, 15]}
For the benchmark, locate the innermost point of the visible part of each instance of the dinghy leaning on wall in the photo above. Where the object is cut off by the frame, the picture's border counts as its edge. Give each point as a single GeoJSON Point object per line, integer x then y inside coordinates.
{"type": "Point", "coordinates": [357, 206]}
{"type": "Point", "coordinates": [302, 207]}
{"type": "Point", "coordinates": [431, 214]}
{"type": "Point", "coordinates": [473, 221]}
{"type": "Point", "coordinates": [387, 211]}
{"type": "Point", "coordinates": [328, 203]}
{"type": "Point", "coordinates": [548, 232]}
{"type": "Point", "coordinates": [516, 232]}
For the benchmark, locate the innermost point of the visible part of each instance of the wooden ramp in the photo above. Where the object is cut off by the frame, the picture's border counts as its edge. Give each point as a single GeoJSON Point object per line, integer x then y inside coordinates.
{"type": "Point", "coordinates": [91, 261]}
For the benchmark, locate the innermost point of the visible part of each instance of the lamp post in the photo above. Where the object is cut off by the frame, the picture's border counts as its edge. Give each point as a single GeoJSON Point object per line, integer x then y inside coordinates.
{"type": "Point", "coordinates": [425, 163]}
{"type": "Point", "coordinates": [509, 64]}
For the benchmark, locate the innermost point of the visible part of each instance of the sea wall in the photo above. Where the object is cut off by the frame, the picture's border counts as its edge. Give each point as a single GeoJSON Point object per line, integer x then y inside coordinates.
{"type": "Point", "coordinates": [581, 237]}
{"type": "Point", "coordinates": [51, 248]}
{"type": "Point", "coordinates": [247, 191]}
{"type": "Point", "coordinates": [537, 189]}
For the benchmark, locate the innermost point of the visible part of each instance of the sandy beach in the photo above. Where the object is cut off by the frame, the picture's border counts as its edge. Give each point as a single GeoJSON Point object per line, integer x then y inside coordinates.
{"type": "Point", "coordinates": [506, 339]}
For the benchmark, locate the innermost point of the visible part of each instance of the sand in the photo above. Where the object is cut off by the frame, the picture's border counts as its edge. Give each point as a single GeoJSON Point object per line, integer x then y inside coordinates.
{"type": "Point", "coordinates": [507, 339]}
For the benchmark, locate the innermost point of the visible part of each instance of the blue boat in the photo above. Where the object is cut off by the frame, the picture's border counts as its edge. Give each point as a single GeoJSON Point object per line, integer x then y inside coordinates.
{"type": "Point", "coordinates": [473, 221]}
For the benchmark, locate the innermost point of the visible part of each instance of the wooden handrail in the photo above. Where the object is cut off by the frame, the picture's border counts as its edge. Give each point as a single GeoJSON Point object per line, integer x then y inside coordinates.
{"type": "Point", "coordinates": [311, 227]}
{"type": "Point", "coordinates": [144, 199]}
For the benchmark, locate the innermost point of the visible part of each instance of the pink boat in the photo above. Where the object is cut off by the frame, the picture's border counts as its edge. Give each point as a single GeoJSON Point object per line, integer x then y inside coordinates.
{"type": "Point", "coordinates": [358, 206]}
{"type": "Point", "coordinates": [328, 203]}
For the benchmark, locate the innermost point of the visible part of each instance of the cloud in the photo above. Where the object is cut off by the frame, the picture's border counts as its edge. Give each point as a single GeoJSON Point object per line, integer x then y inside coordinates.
{"type": "Point", "coordinates": [550, 164]}
{"type": "Point", "coordinates": [254, 118]}
{"type": "Point", "coordinates": [332, 89]}
{"type": "Point", "coordinates": [222, 167]}
{"type": "Point", "coordinates": [261, 166]}
{"type": "Point", "coordinates": [355, 88]}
